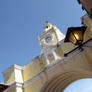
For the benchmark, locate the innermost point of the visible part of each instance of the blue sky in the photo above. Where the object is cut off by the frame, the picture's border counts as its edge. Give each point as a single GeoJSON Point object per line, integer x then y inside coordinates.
{"type": "Point", "coordinates": [22, 21]}
{"type": "Point", "coordinates": [78, 87]}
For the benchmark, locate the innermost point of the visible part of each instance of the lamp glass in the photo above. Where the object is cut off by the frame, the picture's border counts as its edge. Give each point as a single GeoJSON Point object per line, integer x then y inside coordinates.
{"type": "Point", "coordinates": [78, 35]}
{"type": "Point", "coordinates": [75, 35]}
{"type": "Point", "coordinates": [72, 38]}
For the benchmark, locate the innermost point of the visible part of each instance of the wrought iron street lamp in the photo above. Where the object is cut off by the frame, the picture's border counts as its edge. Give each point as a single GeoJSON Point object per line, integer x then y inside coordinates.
{"type": "Point", "coordinates": [75, 35]}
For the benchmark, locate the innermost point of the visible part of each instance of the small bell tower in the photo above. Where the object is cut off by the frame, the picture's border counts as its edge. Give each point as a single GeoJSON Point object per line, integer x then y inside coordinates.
{"type": "Point", "coordinates": [48, 41]}
{"type": "Point", "coordinates": [50, 37]}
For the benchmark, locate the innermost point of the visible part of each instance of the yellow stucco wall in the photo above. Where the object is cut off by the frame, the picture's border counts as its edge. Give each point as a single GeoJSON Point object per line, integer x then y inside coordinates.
{"type": "Point", "coordinates": [33, 68]}
{"type": "Point", "coordinates": [36, 73]}
{"type": "Point", "coordinates": [81, 61]}
{"type": "Point", "coordinates": [39, 63]}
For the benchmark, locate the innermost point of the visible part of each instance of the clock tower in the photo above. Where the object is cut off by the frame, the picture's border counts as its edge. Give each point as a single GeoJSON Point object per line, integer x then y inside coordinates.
{"type": "Point", "coordinates": [48, 41]}
{"type": "Point", "coordinates": [50, 37]}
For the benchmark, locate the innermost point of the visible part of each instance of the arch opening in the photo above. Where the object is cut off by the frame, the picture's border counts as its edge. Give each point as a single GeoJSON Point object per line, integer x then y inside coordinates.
{"type": "Point", "coordinates": [82, 85]}
{"type": "Point", "coordinates": [59, 82]}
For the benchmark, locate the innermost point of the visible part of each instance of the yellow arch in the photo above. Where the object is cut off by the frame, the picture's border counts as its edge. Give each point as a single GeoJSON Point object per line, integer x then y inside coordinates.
{"type": "Point", "coordinates": [62, 80]}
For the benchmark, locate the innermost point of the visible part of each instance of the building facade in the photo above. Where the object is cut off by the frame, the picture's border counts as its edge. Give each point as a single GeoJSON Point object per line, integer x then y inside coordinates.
{"type": "Point", "coordinates": [51, 71]}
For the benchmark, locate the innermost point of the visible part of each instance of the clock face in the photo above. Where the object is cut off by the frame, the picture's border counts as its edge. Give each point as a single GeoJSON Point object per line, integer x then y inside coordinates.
{"type": "Point", "coordinates": [48, 38]}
